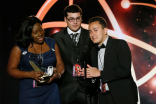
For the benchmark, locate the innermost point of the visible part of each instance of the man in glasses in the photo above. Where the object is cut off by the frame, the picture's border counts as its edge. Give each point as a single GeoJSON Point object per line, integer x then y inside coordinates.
{"type": "Point", "coordinates": [74, 44]}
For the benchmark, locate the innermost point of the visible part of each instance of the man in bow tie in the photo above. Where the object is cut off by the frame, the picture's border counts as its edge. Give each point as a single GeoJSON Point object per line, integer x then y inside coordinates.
{"type": "Point", "coordinates": [111, 65]}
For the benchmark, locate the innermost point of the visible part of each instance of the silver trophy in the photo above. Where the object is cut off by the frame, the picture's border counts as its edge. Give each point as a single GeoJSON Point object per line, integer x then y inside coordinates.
{"type": "Point", "coordinates": [47, 72]}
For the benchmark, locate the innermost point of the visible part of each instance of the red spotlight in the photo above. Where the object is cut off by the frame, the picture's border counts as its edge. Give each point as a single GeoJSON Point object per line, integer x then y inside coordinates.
{"type": "Point", "coordinates": [125, 4]}
{"type": "Point", "coordinates": [154, 82]}
{"type": "Point", "coordinates": [56, 30]}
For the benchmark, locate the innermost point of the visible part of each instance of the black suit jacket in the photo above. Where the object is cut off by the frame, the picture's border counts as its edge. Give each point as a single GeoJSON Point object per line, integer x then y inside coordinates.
{"type": "Point", "coordinates": [117, 71]}
{"type": "Point", "coordinates": [69, 85]}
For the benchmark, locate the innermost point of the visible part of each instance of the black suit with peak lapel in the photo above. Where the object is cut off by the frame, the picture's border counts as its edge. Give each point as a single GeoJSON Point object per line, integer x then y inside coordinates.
{"type": "Point", "coordinates": [69, 86]}
{"type": "Point", "coordinates": [117, 72]}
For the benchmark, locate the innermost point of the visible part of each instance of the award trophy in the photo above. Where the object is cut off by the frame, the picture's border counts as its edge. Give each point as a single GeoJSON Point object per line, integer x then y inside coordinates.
{"type": "Point", "coordinates": [46, 76]}
{"type": "Point", "coordinates": [47, 72]}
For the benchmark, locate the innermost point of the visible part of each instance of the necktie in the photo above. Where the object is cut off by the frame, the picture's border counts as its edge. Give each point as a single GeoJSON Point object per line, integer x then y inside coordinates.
{"type": "Point", "coordinates": [99, 47]}
{"type": "Point", "coordinates": [74, 38]}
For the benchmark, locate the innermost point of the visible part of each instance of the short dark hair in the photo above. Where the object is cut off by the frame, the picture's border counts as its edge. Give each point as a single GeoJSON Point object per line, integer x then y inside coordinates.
{"type": "Point", "coordinates": [24, 38]}
{"type": "Point", "coordinates": [72, 9]}
{"type": "Point", "coordinates": [101, 20]}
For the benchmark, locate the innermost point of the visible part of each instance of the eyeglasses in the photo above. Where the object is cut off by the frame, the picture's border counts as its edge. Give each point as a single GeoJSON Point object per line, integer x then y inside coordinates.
{"type": "Point", "coordinates": [78, 19]}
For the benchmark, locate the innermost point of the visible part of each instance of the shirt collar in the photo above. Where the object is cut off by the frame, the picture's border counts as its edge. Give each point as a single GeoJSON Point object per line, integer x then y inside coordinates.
{"type": "Point", "coordinates": [105, 42]}
{"type": "Point", "coordinates": [70, 31]}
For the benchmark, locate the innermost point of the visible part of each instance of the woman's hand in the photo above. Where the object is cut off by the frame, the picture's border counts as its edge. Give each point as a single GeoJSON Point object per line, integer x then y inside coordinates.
{"type": "Point", "coordinates": [36, 75]}
{"type": "Point", "coordinates": [59, 65]}
{"type": "Point", "coordinates": [54, 76]}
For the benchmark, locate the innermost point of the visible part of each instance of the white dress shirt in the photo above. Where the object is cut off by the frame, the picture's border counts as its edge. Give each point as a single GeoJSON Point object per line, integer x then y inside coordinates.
{"type": "Point", "coordinates": [71, 32]}
{"type": "Point", "coordinates": [101, 54]}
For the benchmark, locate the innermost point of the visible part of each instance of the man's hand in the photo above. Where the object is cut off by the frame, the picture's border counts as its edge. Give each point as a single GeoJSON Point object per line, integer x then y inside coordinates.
{"type": "Point", "coordinates": [92, 72]}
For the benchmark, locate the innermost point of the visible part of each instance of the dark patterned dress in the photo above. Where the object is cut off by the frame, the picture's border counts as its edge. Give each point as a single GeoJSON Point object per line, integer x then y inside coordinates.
{"type": "Point", "coordinates": [45, 94]}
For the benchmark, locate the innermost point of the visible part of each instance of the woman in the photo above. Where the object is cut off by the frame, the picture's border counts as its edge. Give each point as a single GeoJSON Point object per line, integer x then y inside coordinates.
{"type": "Point", "coordinates": [31, 45]}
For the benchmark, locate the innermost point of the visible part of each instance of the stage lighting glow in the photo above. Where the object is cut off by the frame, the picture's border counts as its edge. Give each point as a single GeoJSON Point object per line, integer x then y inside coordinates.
{"type": "Point", "coordinates": [70, 2]}
{"type": "Point", "coordinates": [125, 4]}
{"type": "Point", "coordinates": [117, 33]}
{"type": "Point", "coordinates": [154, 82]}
{"type": "Point", "coordinates": [151, 92]}
{"type": "Point", "coordinates": [56, 30]}
{"type": "Point", "coordinates": [144, 4]}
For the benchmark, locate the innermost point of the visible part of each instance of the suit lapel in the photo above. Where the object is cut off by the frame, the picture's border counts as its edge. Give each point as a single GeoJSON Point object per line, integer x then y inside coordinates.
{"type": "Point", "coordinates": [107, 51]}
{"type": "Point", "coordinates": [94, 55]}
{"type": "Point", "coordinates": [67, 40]}
{"type": "Point", "coordinates": [82, 40]}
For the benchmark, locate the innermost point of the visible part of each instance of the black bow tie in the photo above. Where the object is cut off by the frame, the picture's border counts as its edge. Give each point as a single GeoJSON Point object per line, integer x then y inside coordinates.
{"type": "Point", "coordinates": [99, 47]}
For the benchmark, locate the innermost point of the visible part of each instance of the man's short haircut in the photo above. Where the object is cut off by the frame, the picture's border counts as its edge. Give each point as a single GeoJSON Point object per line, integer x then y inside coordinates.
{"type": "Point", "coordinates": [101, 20]}
{"type": "Point", "coordinates": [72, 9]}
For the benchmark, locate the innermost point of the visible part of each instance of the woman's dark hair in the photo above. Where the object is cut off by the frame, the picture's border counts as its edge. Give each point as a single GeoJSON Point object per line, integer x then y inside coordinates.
{"type": "Point", "coordinates": [72, 9]}
{"type": "Point", "coordinates": [24, 38]}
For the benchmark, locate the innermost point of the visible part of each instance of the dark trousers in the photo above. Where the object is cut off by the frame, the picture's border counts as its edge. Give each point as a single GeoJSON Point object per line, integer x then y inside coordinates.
{"type": "Point", "coordinates": [80, 99]}
{"type": "Point", "coordinates": [106, 98]}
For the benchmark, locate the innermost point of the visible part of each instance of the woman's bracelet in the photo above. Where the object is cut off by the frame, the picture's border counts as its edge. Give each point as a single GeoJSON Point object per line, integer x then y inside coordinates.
{"type": "Point", "coordinates": [59, 75]}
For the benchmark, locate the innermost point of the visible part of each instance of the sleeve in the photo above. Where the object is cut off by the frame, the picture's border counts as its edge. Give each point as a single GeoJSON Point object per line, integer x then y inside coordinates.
{"type": "Point", "coordinates": [23, 50]}
{"type": "Point", "coordinates": [120, 68]}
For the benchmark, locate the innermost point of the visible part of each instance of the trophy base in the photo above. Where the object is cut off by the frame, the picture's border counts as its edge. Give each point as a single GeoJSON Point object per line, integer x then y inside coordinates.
{"type": "Point", "coordinates": [44, 79]}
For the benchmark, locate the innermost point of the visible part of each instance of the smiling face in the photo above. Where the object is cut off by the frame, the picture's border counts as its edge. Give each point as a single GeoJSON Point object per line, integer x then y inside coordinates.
{"type": "Point", "coordinates": [97, 34]}
{"type": "Point", "coordinates": [38, 33]}
{"type": "Point", "coordinates": [76, 24]}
